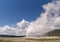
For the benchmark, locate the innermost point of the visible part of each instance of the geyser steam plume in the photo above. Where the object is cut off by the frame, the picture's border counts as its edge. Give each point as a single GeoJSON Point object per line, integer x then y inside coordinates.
{"type": "Point", "coordinates": [48, 20]}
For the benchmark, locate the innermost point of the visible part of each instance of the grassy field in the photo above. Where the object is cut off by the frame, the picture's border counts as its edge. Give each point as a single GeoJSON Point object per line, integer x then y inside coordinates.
{"type": "Point", "coordinates": [30, 39]}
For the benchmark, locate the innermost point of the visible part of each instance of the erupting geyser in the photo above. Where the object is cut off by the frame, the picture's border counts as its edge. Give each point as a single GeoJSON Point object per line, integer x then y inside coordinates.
{"type": "Point", "coordinates": [48, 20]}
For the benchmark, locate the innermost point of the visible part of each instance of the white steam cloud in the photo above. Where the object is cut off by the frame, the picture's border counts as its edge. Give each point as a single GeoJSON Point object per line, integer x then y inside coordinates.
{"type": "Point", "coordinates": [48, 20]}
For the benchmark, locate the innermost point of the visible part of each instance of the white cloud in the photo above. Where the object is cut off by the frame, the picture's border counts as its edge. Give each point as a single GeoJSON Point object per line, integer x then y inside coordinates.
{"type": "Point", "coordinates": [57, 23]}
{"type": "Point", "coordinates": [7, 30]}
{"type": "Point", "coordinates": [23, 24]}
{"type": "Point", "coordinates": [48, 21]}
{"type": "Point", "coordinates": [20, 30]}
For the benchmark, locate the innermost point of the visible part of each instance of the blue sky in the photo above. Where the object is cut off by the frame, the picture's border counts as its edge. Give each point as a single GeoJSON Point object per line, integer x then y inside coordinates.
{"type": "Point", "coordinates": [13, 11]}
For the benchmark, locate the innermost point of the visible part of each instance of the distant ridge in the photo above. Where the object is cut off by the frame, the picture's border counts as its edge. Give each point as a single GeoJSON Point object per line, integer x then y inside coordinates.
{"type": "Point", "coordinates": [54, 33]}
{"type": "Point", "coordinates": [10, 36]}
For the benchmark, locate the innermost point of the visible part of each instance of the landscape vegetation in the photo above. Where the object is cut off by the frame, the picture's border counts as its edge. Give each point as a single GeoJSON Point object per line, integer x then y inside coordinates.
{"type": "Point", "coordinates": [41, 39]}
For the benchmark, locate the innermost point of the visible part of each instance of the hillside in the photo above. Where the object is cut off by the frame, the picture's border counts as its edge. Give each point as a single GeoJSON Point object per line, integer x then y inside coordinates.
{"type": "Point", "coordinates": [54, 33]}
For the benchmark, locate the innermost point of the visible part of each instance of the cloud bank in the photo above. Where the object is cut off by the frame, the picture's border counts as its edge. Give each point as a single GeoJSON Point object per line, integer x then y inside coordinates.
{"type": "Point", "coordinates": [48, 20]}
{"type": "Point", "coordinates": [20, 30]}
